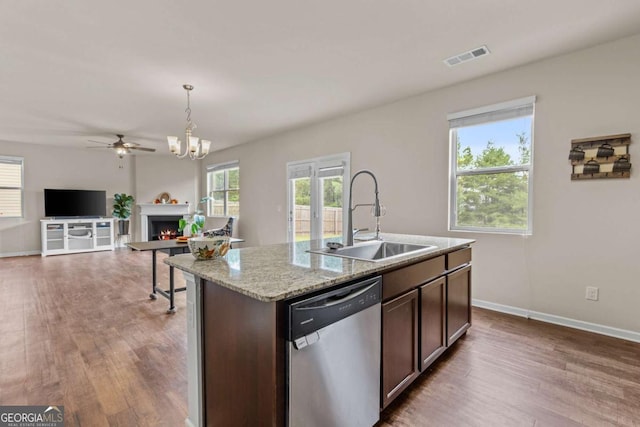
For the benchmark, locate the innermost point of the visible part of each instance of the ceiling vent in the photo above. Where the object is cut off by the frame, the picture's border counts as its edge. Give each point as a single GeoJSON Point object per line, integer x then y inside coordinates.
{"type": "Point", "coordinates": [467, 56]}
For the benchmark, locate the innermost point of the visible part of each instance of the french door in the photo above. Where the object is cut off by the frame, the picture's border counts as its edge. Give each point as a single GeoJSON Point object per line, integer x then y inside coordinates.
{"type": "Point", "coordinates": [317, 197]}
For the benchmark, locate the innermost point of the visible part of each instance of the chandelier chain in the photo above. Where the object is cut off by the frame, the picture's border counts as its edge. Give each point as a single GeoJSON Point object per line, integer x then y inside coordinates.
{"type": "Point", "coordinates": [190, 124]}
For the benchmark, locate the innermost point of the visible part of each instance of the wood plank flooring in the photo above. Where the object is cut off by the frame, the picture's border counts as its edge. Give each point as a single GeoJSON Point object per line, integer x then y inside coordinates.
{"type": "Point", "coordinates": [80, 331]}
{"type": "Point", "coordinates": [509, 371]}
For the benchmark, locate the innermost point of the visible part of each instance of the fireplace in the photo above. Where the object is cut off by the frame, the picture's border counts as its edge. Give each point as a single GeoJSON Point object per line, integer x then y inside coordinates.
{"type": "Point", "coordinates": [159, 227]}
{"type": "Point", "coordinates": [155, 218]}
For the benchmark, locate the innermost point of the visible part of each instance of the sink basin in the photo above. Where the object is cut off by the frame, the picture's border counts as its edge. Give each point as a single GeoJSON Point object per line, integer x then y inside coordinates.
{"type": "Point", "coordinates": [374, 251]}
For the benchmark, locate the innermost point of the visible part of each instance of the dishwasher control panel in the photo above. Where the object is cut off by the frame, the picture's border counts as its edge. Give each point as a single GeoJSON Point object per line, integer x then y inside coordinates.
{"type": "Point", "coordinates": [311, 314]}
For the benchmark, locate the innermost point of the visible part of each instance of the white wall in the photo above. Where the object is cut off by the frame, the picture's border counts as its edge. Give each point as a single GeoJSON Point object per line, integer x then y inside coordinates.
{"type": "Point", "coordinates": [57, 167]}
{"type": "Point", "coordinates": [167, 174]}
{"type": "Point", "coordinates": [585, 233]}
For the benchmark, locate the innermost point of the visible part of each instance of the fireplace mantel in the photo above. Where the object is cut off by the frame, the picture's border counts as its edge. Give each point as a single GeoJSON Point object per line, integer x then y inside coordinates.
{"type": "Point", "coordinates": [158, 209]}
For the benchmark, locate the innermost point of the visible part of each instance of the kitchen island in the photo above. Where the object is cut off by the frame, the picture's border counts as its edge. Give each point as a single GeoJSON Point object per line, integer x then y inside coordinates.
{"type": "Point", "coordinates": [236, 319]}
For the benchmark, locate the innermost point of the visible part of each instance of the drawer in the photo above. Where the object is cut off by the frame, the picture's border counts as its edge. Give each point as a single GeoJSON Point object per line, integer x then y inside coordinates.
{"type": "Point", "coordinates": [458, 258]}
{"type": "Point", "coordinates": [399, 281]}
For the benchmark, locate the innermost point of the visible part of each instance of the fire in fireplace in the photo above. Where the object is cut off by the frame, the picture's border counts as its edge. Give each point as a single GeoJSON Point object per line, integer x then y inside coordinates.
{"type": "Point", "coordinates": [168, 234]}
{"type": "Point", "coordinates": [161, 226]}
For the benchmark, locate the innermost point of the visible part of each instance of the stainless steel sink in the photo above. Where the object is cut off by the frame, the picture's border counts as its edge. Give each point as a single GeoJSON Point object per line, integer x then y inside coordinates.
{"type": "Point", "coordinates": [374, 251]}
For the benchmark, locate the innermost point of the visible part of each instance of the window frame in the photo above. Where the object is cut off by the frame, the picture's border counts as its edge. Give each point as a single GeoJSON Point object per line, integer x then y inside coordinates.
{"type": "Point", "coordinates": [225, 167]}
{"type": "Point", "coordinates": [474, 116]}
{"type": "Point", "coordinates": [20, 161]}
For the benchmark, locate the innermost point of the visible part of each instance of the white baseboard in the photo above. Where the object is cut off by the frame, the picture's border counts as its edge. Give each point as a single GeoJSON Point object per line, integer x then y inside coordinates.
{"type": "Point", "coordinates": [13, 254]}
{"type": "Point", "coordinates": [559, 320]}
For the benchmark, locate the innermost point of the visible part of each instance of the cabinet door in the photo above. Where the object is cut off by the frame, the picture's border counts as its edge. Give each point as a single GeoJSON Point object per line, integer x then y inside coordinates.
{"type": "Point", "coordinates": [399, 345]}
{"type": "Point", "coordinates": [103, 234]}
{"type": "Point", "coordinates": [433, 298]}
{"type": "Point", "coordinates": [458, 303]}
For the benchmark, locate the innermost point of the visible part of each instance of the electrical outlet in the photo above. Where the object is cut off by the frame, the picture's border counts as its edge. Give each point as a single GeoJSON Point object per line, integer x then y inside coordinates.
{"type": "Point", "coordinates": [592, 293]}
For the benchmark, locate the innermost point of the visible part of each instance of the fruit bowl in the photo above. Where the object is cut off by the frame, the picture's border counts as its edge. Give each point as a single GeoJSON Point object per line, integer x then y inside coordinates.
{"type": "Point", "coordinates": [203, 248]}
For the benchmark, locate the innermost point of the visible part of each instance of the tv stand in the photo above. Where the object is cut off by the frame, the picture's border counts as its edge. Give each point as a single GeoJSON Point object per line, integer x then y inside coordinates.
{"type": "Point", "coordinates": [68, 236]}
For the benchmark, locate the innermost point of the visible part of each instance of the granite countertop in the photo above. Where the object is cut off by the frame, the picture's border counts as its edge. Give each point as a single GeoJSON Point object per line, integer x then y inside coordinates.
{"type": "Point", "coordinates": [277, 272]}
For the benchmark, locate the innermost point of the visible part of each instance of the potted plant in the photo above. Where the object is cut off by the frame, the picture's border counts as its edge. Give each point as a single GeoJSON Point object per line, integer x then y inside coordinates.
{"type": "Point", "coordinates": [198, 220]}
{"type": "Point", "coordinates": [122, 204]}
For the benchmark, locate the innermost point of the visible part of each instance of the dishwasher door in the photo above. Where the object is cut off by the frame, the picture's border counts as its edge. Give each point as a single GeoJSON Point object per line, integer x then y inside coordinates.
{"type": "Point", "coordinates": [334, 372]}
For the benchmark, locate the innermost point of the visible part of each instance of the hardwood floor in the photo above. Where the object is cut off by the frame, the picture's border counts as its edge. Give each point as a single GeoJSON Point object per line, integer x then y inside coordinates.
{"type": "Point", "coordinates": [80, 331]}
{"type": "Point", "coordinates": [509, 371]}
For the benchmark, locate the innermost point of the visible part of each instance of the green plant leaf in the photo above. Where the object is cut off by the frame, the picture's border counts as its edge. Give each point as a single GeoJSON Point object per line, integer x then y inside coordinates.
{"type": "Point", "coordinates": [122, 204]}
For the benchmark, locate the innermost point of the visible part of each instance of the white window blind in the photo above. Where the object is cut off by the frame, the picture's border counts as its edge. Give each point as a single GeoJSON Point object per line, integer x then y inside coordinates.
{"type": "Point", "coordinates": [329, 171]}
{"type": "Point", "coordinates": [11, 186]}
{"type": "Point", "coordinates": [493, 113]}
{"type": "Point", "coordinates": [222, 166]}
{"type": "Point", "coordinates": [297, 172]}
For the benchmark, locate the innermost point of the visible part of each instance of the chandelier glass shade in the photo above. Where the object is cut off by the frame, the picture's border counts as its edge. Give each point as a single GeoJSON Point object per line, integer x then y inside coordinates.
{"type": "Point", "coordinates": [194, 147]}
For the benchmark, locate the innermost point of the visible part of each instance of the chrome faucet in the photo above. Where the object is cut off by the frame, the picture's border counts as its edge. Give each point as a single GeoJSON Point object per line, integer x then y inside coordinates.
{"type": "Point", "coordinates": [375, 204]}
{"type": "Point", "coordinates": [358, 230]}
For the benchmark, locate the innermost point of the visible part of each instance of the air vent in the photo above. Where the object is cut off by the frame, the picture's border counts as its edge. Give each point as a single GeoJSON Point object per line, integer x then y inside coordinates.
{"type": "Point", "coordinates": [467, 56]}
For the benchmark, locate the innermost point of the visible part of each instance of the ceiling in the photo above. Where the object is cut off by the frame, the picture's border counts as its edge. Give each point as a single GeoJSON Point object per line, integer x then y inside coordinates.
{"type": "Point", "coordinates": [76, 70]}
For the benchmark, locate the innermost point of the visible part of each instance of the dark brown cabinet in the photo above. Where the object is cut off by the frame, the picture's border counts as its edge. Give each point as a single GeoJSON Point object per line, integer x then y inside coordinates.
{"type": "Point", "coordinates": [433, 307]}
{"type": "Point", "coordinates": [243, 359]}
{"type": "Point", "coordinates": [426, 308]}
{"type": "Point", "coordinates": [399, 344]}
{"type": "Point", "coordinates": [458, 303]}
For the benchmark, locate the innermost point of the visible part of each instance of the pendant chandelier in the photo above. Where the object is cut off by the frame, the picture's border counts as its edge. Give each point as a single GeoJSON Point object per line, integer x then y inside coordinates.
{"type": "Point", "coordinates": [194, 147]}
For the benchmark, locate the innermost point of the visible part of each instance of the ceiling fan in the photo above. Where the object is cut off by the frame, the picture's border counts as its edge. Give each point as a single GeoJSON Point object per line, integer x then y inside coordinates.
{"type": "Point", "coordinates": [121, 148]}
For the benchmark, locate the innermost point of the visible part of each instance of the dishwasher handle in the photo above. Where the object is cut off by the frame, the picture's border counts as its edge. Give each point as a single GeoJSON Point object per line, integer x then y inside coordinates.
{"type": "Point", "coordinates": [312, 314]}
{"type": "Point", "coordinates": [330, 302]}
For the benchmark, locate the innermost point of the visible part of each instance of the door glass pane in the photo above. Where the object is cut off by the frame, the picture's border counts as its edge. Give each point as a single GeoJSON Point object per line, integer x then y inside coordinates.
{"type": "Point", "coordinates": [331, 211]}
{"type": "Point", "coordinates": [301, 215]}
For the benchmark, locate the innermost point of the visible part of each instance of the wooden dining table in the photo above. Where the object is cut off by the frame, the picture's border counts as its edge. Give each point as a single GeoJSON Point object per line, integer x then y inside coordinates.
{"type": "Point", "coordinates": [171, 247]}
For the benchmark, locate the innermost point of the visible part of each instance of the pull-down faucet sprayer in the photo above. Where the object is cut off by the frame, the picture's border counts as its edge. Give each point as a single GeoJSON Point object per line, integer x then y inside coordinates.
{"type": "Point", "coordinates": [375, 204]}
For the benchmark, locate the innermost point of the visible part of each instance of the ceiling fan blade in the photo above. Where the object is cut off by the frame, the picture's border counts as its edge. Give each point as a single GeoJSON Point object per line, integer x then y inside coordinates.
{"type": "Point", "coordinates": [152, 150]}
{"type": "Point", "coordinates": [99, 142]}
{"type": "Point", "coordinates": [106, 146]}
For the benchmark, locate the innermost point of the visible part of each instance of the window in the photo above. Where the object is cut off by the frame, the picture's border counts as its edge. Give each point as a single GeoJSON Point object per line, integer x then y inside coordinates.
{"type": "Point", "coordinates": [316, 197]}
{"type": "Point", "coordinates": [491, 166]}
{"type": "Point", "coordinates": [223, 186]}
{"type": "Point", "coordinates": [11, 187]}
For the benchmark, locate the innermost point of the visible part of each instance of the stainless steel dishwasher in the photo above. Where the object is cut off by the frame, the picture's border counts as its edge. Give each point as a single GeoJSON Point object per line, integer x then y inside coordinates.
{"type": "Point", "coordinates": [334, 357]}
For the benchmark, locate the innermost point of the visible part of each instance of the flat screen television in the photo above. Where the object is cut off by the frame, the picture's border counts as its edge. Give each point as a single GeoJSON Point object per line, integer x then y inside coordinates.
{"type": "Point", "coordinates": [75, 203]}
